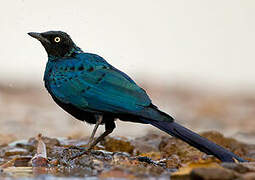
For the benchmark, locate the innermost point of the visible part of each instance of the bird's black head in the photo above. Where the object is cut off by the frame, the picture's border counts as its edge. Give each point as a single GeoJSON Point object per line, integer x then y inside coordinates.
{"type": "Point", "coordinates": [56, 43]}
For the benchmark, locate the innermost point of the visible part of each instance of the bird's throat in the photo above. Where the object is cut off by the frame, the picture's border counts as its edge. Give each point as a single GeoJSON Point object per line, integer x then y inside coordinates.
{"type": "Point", "coordinates": [75, 50]}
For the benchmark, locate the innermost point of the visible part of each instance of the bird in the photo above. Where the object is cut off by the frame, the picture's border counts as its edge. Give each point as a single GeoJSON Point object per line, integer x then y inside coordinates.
{"type": "Point", "coordinates": [90, 89]}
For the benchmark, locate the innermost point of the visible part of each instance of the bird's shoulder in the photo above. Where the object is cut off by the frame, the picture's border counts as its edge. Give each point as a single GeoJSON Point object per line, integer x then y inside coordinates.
{"type": "Point", "coordinates": [79, 63]}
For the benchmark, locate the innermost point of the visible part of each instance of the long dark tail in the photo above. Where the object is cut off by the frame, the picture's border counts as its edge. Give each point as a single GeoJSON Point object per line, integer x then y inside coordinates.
{"type": "Point", "coordinates": [195, 140]}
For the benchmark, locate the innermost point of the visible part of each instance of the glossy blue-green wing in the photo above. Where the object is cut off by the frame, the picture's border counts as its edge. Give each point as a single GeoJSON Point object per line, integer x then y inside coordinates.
{"type": "Point", "coordinates": [113, 92]}
{"type": "Point", "coordinates": [96, 86]}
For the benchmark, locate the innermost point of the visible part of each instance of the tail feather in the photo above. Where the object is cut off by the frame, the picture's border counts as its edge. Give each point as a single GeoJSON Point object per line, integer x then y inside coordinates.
{"type": "Point", "coordinates": [195, 140]}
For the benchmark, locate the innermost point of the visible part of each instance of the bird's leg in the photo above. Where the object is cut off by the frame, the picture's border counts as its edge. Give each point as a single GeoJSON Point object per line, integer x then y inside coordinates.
{"type": "Point", "coordinates": [99, 120]}
{"type": "Point", "coordinates": [109, 127]}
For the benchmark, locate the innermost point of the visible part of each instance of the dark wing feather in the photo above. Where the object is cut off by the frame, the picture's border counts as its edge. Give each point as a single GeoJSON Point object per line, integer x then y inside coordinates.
{"type": "Point", "coordinates": [97, 86]}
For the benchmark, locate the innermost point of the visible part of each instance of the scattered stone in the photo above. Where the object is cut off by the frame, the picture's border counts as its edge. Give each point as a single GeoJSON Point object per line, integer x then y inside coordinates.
{"type": "Point", "coordinates": [119, 158]}
{"type": "Point", "coordinates": [40, 158]}
{"type": "Point", "coordinates": [118, 144]}
{"type": "Point", "coordinates": [145, 159]}
{"type": "Point", "coordinates": [16, 151]}
{"type": "Point", "coordinates": [39, 161]}
{"type": "Point", "coordinates": [248, 176]}
{"type": "Point", "coordinates": [240, 167]}
{"type": "Point", "coordinates": [213, 174]}
{"type": "Point", "coordinates": [22, 161]}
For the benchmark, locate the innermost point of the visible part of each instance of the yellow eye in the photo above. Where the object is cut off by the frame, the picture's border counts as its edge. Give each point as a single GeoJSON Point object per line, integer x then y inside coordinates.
{"type": "Point", "coordinates": [57, 39]}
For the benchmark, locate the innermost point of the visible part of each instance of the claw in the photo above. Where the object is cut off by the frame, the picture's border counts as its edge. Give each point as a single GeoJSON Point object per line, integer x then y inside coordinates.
{"type": "Point", "coordinates": [81, 152]}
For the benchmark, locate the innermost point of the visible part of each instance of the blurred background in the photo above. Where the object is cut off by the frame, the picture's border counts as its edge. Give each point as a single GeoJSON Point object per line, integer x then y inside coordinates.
{"type": "Point", "coordinates": [194, 58]}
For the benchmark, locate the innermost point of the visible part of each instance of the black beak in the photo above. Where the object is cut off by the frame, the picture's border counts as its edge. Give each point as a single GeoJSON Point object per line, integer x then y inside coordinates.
{"type": "Point", "coordinates": [38, 36]}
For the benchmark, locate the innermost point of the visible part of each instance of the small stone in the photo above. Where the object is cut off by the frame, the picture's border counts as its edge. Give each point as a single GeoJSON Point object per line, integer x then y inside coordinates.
{"type": "Point", "coordinates": [22, 161]}
{"type": "Point", "coordinates": [118, 144]}
{"type": "Point", "coordinates": [16, 151]}
{"type": "Point", "coordinates": [39, 161]}
{"type": "Point", "coordinates": [240, 167]}
{"type": "Point", "coordinates": [213, 174]}
{"type": "Point", "coordinates": [54, 162]}
{"type": "Point", "coordinates": [173, 162]}
{"type": "Point", "coordinates": [248, 176]}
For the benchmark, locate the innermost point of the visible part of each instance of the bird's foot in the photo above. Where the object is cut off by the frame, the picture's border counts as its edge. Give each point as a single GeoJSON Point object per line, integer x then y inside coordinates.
{"type": "Point", "coordinates": [73, 152]}
{"type": "Point", "coordinates": [84, 150]}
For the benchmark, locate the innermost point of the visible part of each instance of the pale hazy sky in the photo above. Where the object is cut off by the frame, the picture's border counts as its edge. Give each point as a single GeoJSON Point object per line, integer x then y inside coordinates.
{"type": "Point", "coordinates": [201, 41]}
